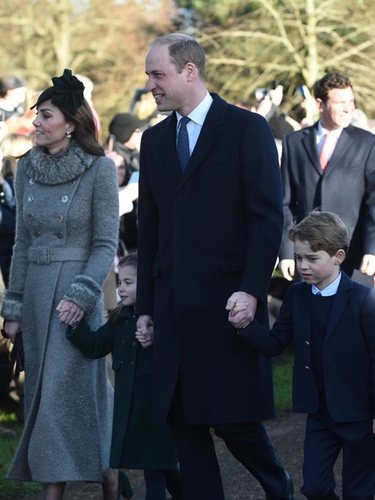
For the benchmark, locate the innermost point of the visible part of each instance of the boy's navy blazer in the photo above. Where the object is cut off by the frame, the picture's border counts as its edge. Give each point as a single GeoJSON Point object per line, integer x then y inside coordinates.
{"type": "Point", "coordinates": [349, 350]}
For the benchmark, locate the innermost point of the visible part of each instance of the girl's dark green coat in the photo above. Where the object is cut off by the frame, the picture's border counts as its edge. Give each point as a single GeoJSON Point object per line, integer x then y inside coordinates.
{"type": "Point", "coordinates": [136, 442]}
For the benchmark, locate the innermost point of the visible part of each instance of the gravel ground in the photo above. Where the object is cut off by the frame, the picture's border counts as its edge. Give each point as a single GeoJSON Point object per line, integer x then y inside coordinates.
{"type": "Point", "coordinates": [286, 433]}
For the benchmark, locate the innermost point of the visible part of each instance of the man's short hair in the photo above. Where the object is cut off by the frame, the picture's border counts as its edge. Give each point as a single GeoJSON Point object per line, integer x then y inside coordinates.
{"type": "Point", "coordinates": [323, 231]}
{"type": "Point", "coordinates": [183, 49]}
{"type": "Point", "coordinates": [330, 81]}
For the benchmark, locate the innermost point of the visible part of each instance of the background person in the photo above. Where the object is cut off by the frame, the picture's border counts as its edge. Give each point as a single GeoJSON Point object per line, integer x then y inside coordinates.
{"type": "Point", "coordinates": [210, 221]}
{"type": "Point", "coordinates": [343, 184]}
{"type": "Point", "coordinates": [66, 196]}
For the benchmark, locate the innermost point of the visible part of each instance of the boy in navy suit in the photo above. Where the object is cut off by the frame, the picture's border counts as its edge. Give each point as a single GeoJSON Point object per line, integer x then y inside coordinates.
{"type": "Point", "coordinates": [331, 322]}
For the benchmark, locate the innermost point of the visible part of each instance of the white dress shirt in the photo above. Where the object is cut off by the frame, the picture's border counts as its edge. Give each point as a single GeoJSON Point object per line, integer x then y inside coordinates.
{"type": "Point", "coordinates": [197, 117]}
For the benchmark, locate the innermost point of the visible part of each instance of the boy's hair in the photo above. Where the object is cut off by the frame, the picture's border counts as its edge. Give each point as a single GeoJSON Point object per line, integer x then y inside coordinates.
{"type": "Point", "coordinates": [129, 260]}
{"type": "Point", "coordinates": [323, 231]}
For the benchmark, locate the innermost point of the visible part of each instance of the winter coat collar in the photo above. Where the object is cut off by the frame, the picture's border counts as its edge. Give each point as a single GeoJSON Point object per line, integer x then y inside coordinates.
{"type": "Point", "coordinates": [59, 168]}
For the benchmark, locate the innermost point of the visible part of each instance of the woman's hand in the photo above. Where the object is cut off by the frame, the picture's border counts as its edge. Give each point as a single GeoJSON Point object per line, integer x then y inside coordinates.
{"type": "Point", "coordinates": [11, 328]}
{"type": "Point", "coordinates": [69, 313]}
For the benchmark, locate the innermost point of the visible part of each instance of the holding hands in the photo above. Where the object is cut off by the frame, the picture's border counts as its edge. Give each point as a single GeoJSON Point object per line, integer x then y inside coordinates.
{"type": "Point", "coordinates": [242, 307]}
{"type": "Point", "coordinates": [145, 331]}
{"type": "Point", "coordinates": [69, 313]}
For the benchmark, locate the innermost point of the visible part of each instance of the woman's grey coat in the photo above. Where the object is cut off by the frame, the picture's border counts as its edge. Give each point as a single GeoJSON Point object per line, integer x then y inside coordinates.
{"type": "Point", "coordinates": [66, 239]}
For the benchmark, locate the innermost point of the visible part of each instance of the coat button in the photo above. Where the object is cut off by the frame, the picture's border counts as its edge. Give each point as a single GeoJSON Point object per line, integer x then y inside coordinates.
{"type": "Point", "coordinates": [30, 198]}
{"type": "Point", "coordinates": [36, 234]}
{"type": "Point", "coordinates": [307, 367]}
{"type": "Point", "coordinates": [60, 235]}
{"type": "Point", "coordinates": [307, 342]}
{"type": "Point", "coordinates": [131, 363]}
{"type": "Point", "coordinates": [60, 218]}
{"type": "Point", "coordinates": [65, 198]}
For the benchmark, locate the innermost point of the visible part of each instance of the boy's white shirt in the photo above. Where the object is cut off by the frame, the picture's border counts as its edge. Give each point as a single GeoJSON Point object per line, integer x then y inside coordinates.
{"type": "Point", "coordinates": [329, 290]}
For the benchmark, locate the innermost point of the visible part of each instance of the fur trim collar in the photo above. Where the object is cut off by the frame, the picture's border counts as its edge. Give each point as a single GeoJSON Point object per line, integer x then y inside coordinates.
{"type": "Point", "coordinates": [60, 168]}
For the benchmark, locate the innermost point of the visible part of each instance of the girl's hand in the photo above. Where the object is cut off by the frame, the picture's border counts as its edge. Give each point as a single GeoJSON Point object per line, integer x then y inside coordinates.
{"type": "Point", "coordinates": [69, 313]}
{"type": "Point", "coordinates": [11, 328]}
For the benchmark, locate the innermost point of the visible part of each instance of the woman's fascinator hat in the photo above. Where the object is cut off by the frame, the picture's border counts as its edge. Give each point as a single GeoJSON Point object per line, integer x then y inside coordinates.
{"type": "Point", "coordinates": [66, 92]}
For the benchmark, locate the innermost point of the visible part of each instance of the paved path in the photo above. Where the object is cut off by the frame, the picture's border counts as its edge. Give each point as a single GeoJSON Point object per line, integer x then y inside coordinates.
{"type": "Point", "coordinates": [287, 436]}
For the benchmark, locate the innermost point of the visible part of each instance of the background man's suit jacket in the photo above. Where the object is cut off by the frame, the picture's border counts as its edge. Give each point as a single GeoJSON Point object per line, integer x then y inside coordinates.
{"type": "Point", "coordinates": [347, 186]}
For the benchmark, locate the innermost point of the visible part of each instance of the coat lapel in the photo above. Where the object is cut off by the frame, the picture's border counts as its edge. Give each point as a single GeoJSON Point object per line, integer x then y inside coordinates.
{"type": "Point", "coordinates": [339, 303]}
{"type": "Point", "coordinates": [167, 148]}
{"type": "Point", "coordinates": [344, 142]}
{"type": "Point", "coordinates": [208, 136]}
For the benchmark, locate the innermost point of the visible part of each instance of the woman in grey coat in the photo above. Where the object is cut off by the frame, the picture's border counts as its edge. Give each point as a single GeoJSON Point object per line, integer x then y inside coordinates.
{"type": "Point", "coordinates": [66, 237]}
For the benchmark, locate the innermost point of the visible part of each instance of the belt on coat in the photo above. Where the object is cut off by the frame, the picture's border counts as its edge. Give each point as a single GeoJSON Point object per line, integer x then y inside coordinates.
{"type": "Point", "coordinates": [46, 255]}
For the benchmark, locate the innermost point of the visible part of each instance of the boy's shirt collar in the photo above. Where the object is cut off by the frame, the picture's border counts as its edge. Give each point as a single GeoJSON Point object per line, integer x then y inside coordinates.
{"type": "Point", "coordinates": [329, 290]}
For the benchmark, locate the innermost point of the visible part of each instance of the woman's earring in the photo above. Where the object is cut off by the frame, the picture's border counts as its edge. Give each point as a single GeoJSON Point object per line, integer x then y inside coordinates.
{"type": "Point", "coordinates": [68, 134]}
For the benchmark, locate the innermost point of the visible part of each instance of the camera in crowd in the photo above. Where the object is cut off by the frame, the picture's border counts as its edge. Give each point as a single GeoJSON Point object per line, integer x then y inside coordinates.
{"type": "Point", "coordinates": [262, 92]}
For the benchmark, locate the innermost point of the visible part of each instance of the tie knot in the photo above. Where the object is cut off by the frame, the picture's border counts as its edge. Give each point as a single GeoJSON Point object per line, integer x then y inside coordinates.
{"type": "Point", "coordinates": [184, 121]}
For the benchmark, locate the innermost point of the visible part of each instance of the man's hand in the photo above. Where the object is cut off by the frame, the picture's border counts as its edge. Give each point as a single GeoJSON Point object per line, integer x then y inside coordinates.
{"type": "Point", "coordinates": [242, 307]}
{"type": "Point", "coordinates": [368, 264]}
{"type": "Point", "coordinates": [11, 328]}
{"type": "Point", "coordinates": [288, 268]}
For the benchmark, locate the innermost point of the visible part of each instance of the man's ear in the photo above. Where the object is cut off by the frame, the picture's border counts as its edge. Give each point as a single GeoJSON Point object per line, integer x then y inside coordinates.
{"type": "Point", "coordinates": [319, 104]}
{"type": "Point", "coordinates": [191, 71]}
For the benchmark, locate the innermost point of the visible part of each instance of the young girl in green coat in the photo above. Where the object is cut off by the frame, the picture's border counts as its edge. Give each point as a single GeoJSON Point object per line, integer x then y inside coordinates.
{"type": "Point", "coordinates": [136, 442]}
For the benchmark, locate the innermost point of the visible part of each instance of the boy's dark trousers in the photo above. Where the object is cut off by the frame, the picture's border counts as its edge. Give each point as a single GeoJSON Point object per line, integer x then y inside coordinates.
{"type": "Point", "coordinates": [324, 440]}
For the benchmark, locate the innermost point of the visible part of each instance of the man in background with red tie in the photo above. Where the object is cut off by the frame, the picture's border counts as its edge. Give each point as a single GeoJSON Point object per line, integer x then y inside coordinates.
{"type": "Point", "coordinates": [331, 166]}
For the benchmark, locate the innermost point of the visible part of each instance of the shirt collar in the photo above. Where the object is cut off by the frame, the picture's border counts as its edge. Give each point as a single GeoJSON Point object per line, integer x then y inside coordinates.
{"type": "Point", "coordinates": [323, 131]}
{"type": "Point", "coordinates": [329, 290]}
{"type": "Point", "coordinates": [198, 115]}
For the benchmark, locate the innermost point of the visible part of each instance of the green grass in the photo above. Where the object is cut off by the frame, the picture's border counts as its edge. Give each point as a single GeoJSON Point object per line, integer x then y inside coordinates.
{"type": "Point", "coordinates": [282, 379]}
{"type": "Point", "coordinates": [12, 489]}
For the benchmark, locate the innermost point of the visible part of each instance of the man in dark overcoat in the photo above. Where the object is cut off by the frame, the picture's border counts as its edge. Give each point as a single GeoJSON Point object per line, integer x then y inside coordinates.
{"type": "Point", "coordinates": [209, 234]}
